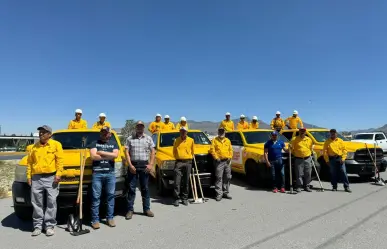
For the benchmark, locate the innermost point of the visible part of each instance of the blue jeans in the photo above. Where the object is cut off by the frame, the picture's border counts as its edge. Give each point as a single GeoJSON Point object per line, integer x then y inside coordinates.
{"type": "Point", "coordinates": [338, 171]}
{"type": "Point", "coordinates": [143, 177]}
{"type": "Point", "coordinates": [278, 173]}
{"type": "Point", "coordinates": [108, 182]}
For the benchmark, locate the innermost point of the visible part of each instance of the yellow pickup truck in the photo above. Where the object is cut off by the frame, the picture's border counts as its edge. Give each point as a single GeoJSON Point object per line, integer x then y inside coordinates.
{"type": "Point", "coordinates": [165, 161]}
{"type": "Point", "coordinates": [71, 141]}
{"type": "Point", "coordinates": [358, 160]}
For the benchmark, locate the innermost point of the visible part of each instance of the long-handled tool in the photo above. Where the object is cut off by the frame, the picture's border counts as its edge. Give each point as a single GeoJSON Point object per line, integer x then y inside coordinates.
{"type": "Point", "coordinates": [378, 180]}
{"type": "Point", "coordinates": [195, 173]}
{"type": "Point", "coordinates": [318, 176]}
{"type": "Point", "coordinates": [290, 172]}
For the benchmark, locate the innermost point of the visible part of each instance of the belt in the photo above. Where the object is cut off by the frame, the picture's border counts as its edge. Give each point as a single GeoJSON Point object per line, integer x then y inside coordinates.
{"type": "Point", "coordinates": [184, 160]}
{"type": "Point", "coordinates": [140, 162]}
{"type": "Point", "coordinates": [334, 157]}
{"type": "Point", "coordinates": [303, 158]}
{"type": "Point", "coordinates": [223, 160]}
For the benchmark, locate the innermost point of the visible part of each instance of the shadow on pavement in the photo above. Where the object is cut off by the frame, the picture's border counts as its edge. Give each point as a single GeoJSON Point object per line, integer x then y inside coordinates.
{"type": "Point", "coordinates": [12, 221]}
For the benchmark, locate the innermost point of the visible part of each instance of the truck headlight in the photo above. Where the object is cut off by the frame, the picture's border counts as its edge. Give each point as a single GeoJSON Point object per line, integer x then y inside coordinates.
{"type": "Point", "coordinates": [20, 173]}
{"type": "Point", "coordinates": [168, 164]}
{"type": "Point", "coordinates": [120, 169]}
{"type": "Point", "coordinates": [350, 155]}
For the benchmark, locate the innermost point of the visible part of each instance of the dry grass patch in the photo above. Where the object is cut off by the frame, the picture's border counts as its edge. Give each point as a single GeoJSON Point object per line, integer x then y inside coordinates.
{"type": "Point", "coordinates": [7, 172]}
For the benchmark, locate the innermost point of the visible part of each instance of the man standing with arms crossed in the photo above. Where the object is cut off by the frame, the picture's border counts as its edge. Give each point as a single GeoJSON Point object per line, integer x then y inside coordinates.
{"type": "Point", "coordinates": [140, 154]}
{"type": "Point", "coordinates": [183, 151]}
{"type": "Point", "coordinates": [222, 153]}
{"type": "Point", "coordinates": [227, 123]}
{"type": "Point", "coordinates": [44, 169]}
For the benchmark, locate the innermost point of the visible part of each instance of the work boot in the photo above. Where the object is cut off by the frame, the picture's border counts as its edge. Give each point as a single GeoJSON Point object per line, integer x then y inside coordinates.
{"type": "Point", "coordinates": [36, 232]}
{"type": "Point", "coordinates": [218, 198]}
{"type": "Point", "coordinates": [111, 223]}
{"type": "Point", "coordinates": [50, 231]}
{"type": "Point", "coordinates": [176, 203]}
{"type": "Point", "coordinates": [149, 213]}
{"type": "Point", "coordinates": [185, 202]}
{"type": "Point", "coordinates": [298, 190]}
{"type": "Point", "coordinates": [129, 215]}
{"type": "Point", "coordinates": [227, 196]}
{"type": "Point", "coordinates": [307, 189]}
{"type": "Point", "coordinates": [348, 190]}
{"type": "Point", "coordinates": [95, 225]}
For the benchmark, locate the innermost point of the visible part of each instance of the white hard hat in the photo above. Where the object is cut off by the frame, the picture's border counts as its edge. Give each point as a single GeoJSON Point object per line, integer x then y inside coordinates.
{"type": "Point", "coordinates": [278, 112]}
{"type": "Point", "coordinates": [255, 118]}
{"type": "Point", "coordinates": [158, 115]}
{"type": "Point", "coordinates": [295, 112]}
{"type": "Point", "coordinates": [78, 111]}
{"type": "Point", "coordinates": [166, 116]}
{"type": "Point", "coordinates": [102, 115]}
{"type": "Point", "coordinates": [228, 114]}
{"type": "Point", "coordinates": [183, 119]}
{"type": "Point", "coordinates": [242, 116]}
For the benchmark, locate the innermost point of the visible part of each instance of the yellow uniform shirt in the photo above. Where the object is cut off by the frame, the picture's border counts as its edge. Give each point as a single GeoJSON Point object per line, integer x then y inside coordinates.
{"type": "Point", "coordinates": [29, 147]}
{"type": "Point", "coordinates": [179, 125]}
{"type": "Point", "coordinates": [183, 149]}
{"type": "Point", "coordinates": [277, 123]}
{"type": "Point", "coordinates": [221, 148]}
{"type": "Point", "coordinates": [44, 159]}
{"type": "Point", "coordinates": [242, 125]}
{"type": "Point", "coordinates": [334, 148]}
{"type": "Point", "coordinates": [227, 125]}
{"type": "Point", "coordinates": [294, 122]}
{"type": "Point", "coordinates": [302, 147]}
{"type": "Point", "coordinates": [74, 124]}
{"type": "Point", "coordinates": [156, 126]}
{"type": "Point", "coordinates": [254, 126]}
{"type": "Point", "coordinates": [168, 126]}
{"type": "Point", "coordinates": [97, 125]}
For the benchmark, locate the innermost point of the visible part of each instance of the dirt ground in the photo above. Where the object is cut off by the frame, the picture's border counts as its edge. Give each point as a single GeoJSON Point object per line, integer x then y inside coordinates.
{"type": "Point", "coordinates": [7, 171]}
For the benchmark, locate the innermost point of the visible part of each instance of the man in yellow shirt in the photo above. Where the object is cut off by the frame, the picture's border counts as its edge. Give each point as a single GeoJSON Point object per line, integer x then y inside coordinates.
{"type": "Point", "coordinates": [222, 153]}
{"type": "Point", "coordinates": [156, 125]}
{"type": "Point", "coordinates": [242, 124]}
{"type": "Point", "coordinates": [102, 122]}
{"type": "Point", "coordinates": [78, 122]}
{"type": "Point", "coordinates": [183, 151]}
{"type": "Point", "coordinates": [182, 123]}
{"type": "Point", "coordinates": [277, 123]}
{"type": "Point", "coordinates": [168, 125]}
{"type": "Point", "coordinates": [254, 125]}
{"type": "Point", "coordinates": [302, 149]}
{"type": "Point", "coordinates": [227, 123]}
{"type": "Point", "coordinates": [44, 170]}
{"type": "Point", "coordinates": [335, 154]}
{"type": "Point", "coordinates": [293, 121]}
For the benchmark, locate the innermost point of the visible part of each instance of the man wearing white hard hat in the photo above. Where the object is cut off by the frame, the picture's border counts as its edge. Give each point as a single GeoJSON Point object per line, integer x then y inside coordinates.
{"type": "Point", "coordinates": [78, 122]}
{"type": "Point", "coordinates": [242, 124]}
{"type": "Point", "coordinates": [102, 122]}
{"type": "Point", "coordinates": [156, 125]}
{"type": "Point", "coordinates": [168, 125]}
{"type": "Point", "coordinates": [254, 125]}
{"type": "Point", "coordinates": [182, 123]}
{"type": "Point", "coordinates": [277, 123]}
{"type": "Point", "coordinates": [227, 123]}
{"type": "Point", "coordinates": [293, 121]}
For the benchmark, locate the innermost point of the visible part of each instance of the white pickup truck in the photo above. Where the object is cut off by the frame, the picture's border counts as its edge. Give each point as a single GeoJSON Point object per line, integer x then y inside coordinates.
{"type": "Point", "coordinates": [378, 138]}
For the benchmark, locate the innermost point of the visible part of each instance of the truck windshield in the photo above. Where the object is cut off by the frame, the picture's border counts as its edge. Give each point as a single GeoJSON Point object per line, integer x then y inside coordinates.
{"type": "Point", "coordinates": [73, 140]}
{"type": "Point", "coordinates": [364, 137]}
{"type": "Point", "coordinates": [167, 139]}
{"type": "Point", "coordinates": [257, 137]}
{"type": "Point", "coordinates": [322, 136]}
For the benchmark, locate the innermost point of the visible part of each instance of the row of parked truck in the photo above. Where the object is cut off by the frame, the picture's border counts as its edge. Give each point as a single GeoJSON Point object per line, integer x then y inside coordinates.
{"type": "Point", "coordinates": [247, 159]}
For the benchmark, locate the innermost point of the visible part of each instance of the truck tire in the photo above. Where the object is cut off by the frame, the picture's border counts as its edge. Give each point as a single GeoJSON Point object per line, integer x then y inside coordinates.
{"type": "Point", "coordinates": [160, 185]}
{"type": "Point", "coordinates": [23, 213]}
{"type": "Point", "coordinates": [252, 173]}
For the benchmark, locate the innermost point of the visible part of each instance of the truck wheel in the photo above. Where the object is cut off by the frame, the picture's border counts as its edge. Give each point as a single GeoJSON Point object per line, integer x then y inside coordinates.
{"type": "Point", "coordinates": [160, 185]}
{"type": "Point", "coordinates": [252, 174]}
{"type": "Point", "coordinates": [23, 213]}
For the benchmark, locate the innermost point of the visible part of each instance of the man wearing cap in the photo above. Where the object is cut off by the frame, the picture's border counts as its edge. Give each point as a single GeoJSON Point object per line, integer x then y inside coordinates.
{"type": "Point", "coordinates": [273, 158]}
{"type": "Point", "coordinates": [227, 123]}
{"type": "Point", "coordinates": [335, 154]}
{"type": "Point", "coordinates": [222, 152]}
{"type": "Point", "coordinates": [254, 125]}
{"type": "Point", "coordinates": [242, 124]}
{"type": "Point", "coordinates": [44, 170]}
{"type": "Point", "coordinates": [102, 122]}
{"type": "Point", "coordinates": [183, 151]}
{"type": "Point", "coordinates": [182, 123]}
{"type": "Point", "coordinates": [140, 155]}
{"type": "Point", "coordinates": [78, 122]}
{"type": "Point", "coordinates": [277, 123]}
{"type": "Point", "coordinates": [103, 153]}
{"type": "Point", "coordinates": [302, 149]}
{"type": "Point", "coordinates": [156, 125]}
{"type": "Point", "coordinates": [293, 121]}
{"type": "Point", "coordinates": [168, 125]}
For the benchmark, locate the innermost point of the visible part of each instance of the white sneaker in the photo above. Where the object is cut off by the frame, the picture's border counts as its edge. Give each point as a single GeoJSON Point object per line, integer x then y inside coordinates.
{"type": "Point", "coordinates": [50, 232]}
{"type": "Point", "coordinates": [36, 232]}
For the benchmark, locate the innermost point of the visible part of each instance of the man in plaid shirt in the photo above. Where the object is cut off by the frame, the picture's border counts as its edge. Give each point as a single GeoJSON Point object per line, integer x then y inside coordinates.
{"type": "Point", "coordinates": [140, 154]}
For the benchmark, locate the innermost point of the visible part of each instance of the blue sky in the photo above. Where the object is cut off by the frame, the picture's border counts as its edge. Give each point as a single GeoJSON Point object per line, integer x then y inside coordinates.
{"type": "Point", "coordinates": [200, 59]}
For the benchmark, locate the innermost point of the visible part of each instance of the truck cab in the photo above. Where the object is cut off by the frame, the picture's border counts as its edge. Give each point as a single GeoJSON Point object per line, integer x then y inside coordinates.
{"type": "Point", "coordinates": [373, 138]}
{"type": "Point", "coordinates": [71, 141]}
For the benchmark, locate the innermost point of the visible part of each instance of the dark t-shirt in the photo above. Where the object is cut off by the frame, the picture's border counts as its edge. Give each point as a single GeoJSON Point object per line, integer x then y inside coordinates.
{"type": "Point", "coordinates": [103, 165]}
{"type": "Point", "coordinates": [274, 149]}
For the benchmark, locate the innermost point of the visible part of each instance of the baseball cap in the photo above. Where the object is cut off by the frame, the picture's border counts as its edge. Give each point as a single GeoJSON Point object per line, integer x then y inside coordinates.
{"type": "Point", "coordinates": [78, 111]}
{"type": "Point", "coordinates": [45, 127]}
{"type": "Point", "coordinates": [228, 114]}
{"type": "Point", "coordinates": [183, 128]}
{"type": "Point", "coordinates": [302, 129]}
{"type": "Point", "coordinates": [102, 115]}
{"type": "Point", "coordinates": [105, 128]}
{"type": "Point", "coordinates": [274, 133]}
{"type": "Point", "coordinates": [166, 116]}
{"type": "Point", "coordinates": [333, 130]}
{"type": "Point", "coordinates": [221, 128]}
{"type": "Point", "coordinates": [139, 122]}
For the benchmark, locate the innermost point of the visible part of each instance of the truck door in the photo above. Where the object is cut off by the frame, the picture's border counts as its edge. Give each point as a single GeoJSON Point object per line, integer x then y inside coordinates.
{"type": "Point", "coordinates": [237, 146]}
{"type": "Point", "coordinates": [381, 141]}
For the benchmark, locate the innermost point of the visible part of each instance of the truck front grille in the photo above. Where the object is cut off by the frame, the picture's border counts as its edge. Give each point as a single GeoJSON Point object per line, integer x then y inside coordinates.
{"type": "Point", "coordinates": [205, 163]}
{"type": "Point", "coordinates": [363, 156]}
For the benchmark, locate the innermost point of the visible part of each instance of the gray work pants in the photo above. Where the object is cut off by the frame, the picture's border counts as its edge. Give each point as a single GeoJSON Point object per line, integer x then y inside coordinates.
{"type": "Point", "coordinates": [303, 171]}
{"type": "Point", "coordinates": [182, 174]}
{"type": "Point", "coordinates": [42, 184]}
{"type": "Point", "coordinates": [223, 177]}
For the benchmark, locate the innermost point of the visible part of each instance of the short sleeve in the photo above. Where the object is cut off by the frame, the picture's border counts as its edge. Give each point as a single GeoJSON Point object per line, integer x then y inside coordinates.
{"type": "Point", "coordinates": [127, 142]}
{"type": "Point", "coordinates": [283, 144]}
{"type": "Point", "coordinates": [266, 145]}
{"type": "Point", "coordinates": [151, 143]}
{"type": "Point", "coordinates": [93, 145]}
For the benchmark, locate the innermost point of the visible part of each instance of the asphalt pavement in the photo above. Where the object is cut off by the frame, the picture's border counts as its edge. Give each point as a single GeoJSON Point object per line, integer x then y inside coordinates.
{"type": "Point", "coordinates": [10, 157]}
{"type": "Point", "coordinates": [254, 218]}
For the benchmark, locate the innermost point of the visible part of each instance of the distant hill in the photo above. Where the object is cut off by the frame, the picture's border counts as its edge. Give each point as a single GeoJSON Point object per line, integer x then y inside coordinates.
{"type": "Point", "coordinates": [383, 128]}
